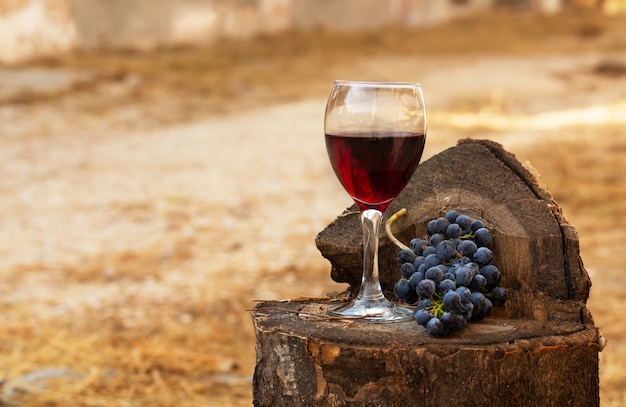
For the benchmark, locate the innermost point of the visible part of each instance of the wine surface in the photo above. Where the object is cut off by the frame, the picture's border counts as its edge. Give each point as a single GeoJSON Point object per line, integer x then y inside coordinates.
{"type": "Point", "coordinates": [374, 167]}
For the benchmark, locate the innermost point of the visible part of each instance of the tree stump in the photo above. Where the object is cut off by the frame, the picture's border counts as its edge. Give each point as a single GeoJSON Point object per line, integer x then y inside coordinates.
{"type": "Point", "coordinates": [541, 349]}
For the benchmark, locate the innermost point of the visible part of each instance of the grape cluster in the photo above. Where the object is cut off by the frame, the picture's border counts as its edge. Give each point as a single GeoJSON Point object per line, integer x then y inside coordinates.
{"type": "Point", "coordinates": [449, 276]}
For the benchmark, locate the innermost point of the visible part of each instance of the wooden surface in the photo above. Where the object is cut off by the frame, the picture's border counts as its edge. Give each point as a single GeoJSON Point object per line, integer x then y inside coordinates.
{"type": "Point", "coordinates": [540, 349]}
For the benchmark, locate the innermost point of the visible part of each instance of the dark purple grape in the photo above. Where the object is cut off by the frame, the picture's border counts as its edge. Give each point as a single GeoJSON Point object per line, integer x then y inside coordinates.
{"type": "Point", "coordinates": [435, 274]}
{"type": "Point", "coordinates": [422, 316]}
{"type": "Point", "coordinates": [416, 278]}
{"type": "Point", "coordinates": [448, 319]}
{"type": "Point", "coordinates": [479, 301]}
{"type": "Point", "coordinates": [464, 275]}
{"type": "Point", "coordinates": [482, 237]}
{"type": "Point", "coordinates": [452, 301]}
{"type": "Point", "coordinates": [406, 256]}
{"type": "Point", "coordinates": [407, 270]}
{"type": "Point", "coordinates": [418, 245]}
{"type": "Point", "coordinates": [447, 285]}
{"type": "Point", "coordinates": [492, 274]}
{"type": "Point", "coordinates": [446, 250]}
{"type": "Point", "coordinates": [469, 310]}
{"type": "Point", "coordinates": [425, 288]}
{"type": "Point", "coordinates": [476, 224]}
{"type": "Point", "coordinates": [453, 231]}
{"type": "Point", "coordinates": [461, 322]}
{"type": "Point", "coordinates": [424, 304]}
{"type": "Point", "coordinates": [419, 260]}
{"type": "Point", "coordinates": [432, 260]}
{"type": "Point", "coordinates": [451, 215]}
{"type": "Point", "coordinates": [412, 297]}
{"type": "Point", "coordinates": [441, 224]}
{"type": "Point", "coordinates": [435, 327]}
{"type": "Point", "coordinates": [465, 294]}
{"type": "Point", "coordinates": [473, 267]}
{"type": "Point", "coordinates": [465, 222]}
{"type": "Point", "coordinates": [421, 268]}
{"type": "Point", "coordinates": [467, 248]}
{"type": "Point", "coordinates": [483, 256]}
{"type": "Point", "coordinates": [443, 268]}
{"type": "Point", "coordinates": [479, 283]}
{"type": "Point", "coordinates": [430, 227]}
{"type": "Point", "coordinates": [402, 289]}
{"type": "Point", "coordinates": [498, 296]}
{"type": "Point", "coordinates": [436, 239]}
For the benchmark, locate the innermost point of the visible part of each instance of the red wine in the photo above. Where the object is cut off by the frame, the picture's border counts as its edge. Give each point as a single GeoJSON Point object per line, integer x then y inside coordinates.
{"type": "Point", "coordinates": [374, 167]}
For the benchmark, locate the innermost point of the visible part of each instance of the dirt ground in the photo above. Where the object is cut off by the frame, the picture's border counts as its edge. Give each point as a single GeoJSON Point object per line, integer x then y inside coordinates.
{"type": "Point", "coordinates": [147, 200]}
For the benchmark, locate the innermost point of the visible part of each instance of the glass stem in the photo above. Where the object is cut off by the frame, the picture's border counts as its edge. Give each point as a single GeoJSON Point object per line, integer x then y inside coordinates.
{"type": "Point", "coordinates": [370, 283]}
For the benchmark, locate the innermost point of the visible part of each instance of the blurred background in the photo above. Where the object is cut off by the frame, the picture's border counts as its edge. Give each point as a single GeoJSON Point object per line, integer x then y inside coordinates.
{"type": "Point", "coordinates": [163, 167]}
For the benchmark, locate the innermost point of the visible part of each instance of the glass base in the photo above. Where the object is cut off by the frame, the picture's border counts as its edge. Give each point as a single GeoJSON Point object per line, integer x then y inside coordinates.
{"type": "Point", "coordinates": [373, 311]}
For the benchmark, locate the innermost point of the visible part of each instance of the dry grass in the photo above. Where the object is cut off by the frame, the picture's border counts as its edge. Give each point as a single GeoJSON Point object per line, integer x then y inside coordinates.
{"type": "Point", "coordinates": [129, 344]}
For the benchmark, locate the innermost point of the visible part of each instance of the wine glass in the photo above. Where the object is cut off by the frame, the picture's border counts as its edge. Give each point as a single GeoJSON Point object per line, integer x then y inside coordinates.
{"type": "Point", "coordinates": [375, 134]}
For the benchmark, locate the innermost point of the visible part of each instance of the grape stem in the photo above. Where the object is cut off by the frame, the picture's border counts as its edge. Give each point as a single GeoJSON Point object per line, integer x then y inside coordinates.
{"type": "Point", "coordinates": [388, 224]}
{"type": "Point", "coordinates": [437, 308]}
{"type": "Point", "coordinates": [468, 236]}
